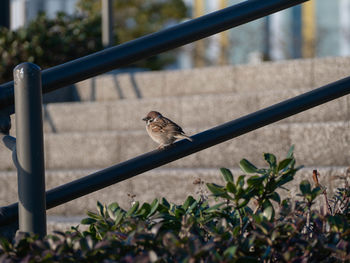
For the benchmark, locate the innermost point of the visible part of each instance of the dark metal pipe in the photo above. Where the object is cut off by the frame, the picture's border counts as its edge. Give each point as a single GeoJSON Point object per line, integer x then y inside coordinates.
{"type": "Point", "coordinates": [30, 149]}
{"type": "Point", "coordinates": [201, 141]}
{"type": "Point", "coordinates": [147, 46]}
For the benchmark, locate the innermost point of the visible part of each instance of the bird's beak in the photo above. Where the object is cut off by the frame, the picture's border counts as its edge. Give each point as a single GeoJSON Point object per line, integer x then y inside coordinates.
{"type": "Point", "coordinates": [145, 119]}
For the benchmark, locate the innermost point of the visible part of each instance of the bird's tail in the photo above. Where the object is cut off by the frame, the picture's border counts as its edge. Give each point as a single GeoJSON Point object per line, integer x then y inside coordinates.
{"type": "Point", "coordinates": [183, 136]}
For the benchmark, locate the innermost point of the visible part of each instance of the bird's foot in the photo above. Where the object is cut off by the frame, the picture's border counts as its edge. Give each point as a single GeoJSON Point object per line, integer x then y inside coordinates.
{"type": "Point", "coordinates": [162, 146]}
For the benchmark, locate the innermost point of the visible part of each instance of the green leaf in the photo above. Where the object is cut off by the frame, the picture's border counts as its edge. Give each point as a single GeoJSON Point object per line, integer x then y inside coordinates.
{"type": "Point", "coordinates": [247, 166]}
{"type": "Point", "coordinates": [231, 187]}
{"type": "Point", "coordinates": [88, 221]}
{"type": "Point", "coordinates": [215, 207]}
{"type": "Point", "coordinates": [144, 210]}
{"type": "Point", "coordinates": [255, 180]}
{"type": "Point", "coordinates": [271, 160]}
{"type": "Point", "coordinates": [337, 223]}
{"type": "Point", "coordinates": [216, 189]}
{"type": "Point", "coordinates": [230, 251]}
{"type": "Point", "coordinates": [5, 244]}
{"type": "Point", "coordinates": [268, 212]}
{"type": "Point", "coordinates": [133, 209]}
{"type": "Point", "coordinates": [240, 181]}
{"type": "Point", "coordinates": [315, 192]}
{"type": "Point", "coordinates": [94, 215]}
{"type": "Point", "coordinates": [257, 218]}
{"type": "Point", "coordinates": [290, 152]}
{"type": "Point", "coordinates": [119, 216]}
{"type": "Point", "coordinates": [305, 187]}
{"type": "Point", "coordinates": [188, 202]}
{"type": "Point", "coordinates": [165, 203]}
{"type": "Point", "coordinates": [275, 197]}
{"type": "Point", "coordinates": [101, 208]}
{"type": "Point", "coordinates": [113, 207]}
{"type": "Point", "coordinates": [83, 244]}
{"type": "Point", "coordinates": [236, 230]}
{"type": "Point", "coordinates": [154, 207]}
{"type": "Point", "coordinates": [227, 174]}
{"type": "Point", "coordinates": [242, 203]}
{"type": "Point", "coordinates": [283, 164]}
{"type": "Point", "coordinates": [179, 212]}
{"type": "Point", "coordinates": [285, 178]}
{"type": "Point", "coordinates": [193, 205]}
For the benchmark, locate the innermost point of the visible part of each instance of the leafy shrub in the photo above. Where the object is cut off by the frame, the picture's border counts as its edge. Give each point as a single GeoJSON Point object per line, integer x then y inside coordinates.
{"type": "Point", "coordinates": [137, 18]}
{"type": "Point", "coordinates": [243, 225]}
{"type": "Point", "coordinates": [48, 42]}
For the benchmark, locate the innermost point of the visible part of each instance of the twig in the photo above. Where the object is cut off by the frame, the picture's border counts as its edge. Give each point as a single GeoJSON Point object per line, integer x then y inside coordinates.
{"type": "Point", "coordinates": [324, 192]}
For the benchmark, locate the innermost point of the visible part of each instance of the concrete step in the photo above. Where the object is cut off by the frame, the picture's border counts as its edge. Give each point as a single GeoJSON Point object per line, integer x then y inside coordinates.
{"type": "Point", "coordinates": [187, 111]}
{"type": "Point", "coordinates": [173, 183]}
{"type": "Point", "coordinates": [83, 137]}
{"type": "Point", "coordinates": [317, 144]}
{"type": "Point", "coordinates": [300, 74]}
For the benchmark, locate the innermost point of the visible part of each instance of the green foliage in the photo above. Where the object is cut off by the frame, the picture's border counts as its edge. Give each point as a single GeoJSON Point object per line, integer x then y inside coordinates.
{"type": "Point", "coordinates": [242, 226]}
{"type": "Point", "coordinates": [48, 42]}
{"type": "Point", "coordinates": [136, 18]}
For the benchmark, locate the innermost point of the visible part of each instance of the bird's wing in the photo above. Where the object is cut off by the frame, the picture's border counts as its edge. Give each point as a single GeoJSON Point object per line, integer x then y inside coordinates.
{"type": "Point", "coordinates": [171, 126]}
{"type": "Point", "coordinates": [165, 125]}
{"type": "Point", "coordinates": [156, 127]}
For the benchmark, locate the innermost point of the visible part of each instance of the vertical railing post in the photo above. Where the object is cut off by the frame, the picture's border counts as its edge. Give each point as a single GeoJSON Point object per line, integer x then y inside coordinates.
{"type": "Point", "coordinates": [30, 149]}
{"type": "Point", "coordinates": [107, 23]}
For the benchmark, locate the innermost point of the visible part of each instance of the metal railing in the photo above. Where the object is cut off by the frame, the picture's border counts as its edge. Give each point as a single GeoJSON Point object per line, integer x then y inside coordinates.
{"type": "Point", "coordinates": [124, 54]}
{"type": "Point", "coordinates": [201, 141]}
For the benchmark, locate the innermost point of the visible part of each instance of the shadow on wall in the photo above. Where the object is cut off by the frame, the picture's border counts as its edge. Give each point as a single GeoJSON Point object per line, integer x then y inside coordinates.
{"type": "Point", "coordinates": [71, 94]}
{"type": "Point", "coordinates": [66, 94]}
{"type": "Point", "coordinates": [117, 85]}
{"type": "Point", "coordinates": [135, 87]}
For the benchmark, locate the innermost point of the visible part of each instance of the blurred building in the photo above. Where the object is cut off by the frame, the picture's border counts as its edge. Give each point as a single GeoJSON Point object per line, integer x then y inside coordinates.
{"type": "Point", "coordinates": [315, 29]}
{"type": "Point", "coordinates": [22, 11]}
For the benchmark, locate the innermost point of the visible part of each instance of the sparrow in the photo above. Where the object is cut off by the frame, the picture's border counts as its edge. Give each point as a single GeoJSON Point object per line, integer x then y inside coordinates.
{"type": "Point", "coordinates": [162, 130]}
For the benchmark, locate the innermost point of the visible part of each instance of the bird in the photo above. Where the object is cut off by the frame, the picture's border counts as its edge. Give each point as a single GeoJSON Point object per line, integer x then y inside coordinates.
{"type": "Point", "coordinates": [162, 130]}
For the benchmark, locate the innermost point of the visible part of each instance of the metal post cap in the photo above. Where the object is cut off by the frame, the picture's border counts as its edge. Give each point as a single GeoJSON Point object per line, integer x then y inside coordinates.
{"type": "Point", "coordinates": [30, 68]}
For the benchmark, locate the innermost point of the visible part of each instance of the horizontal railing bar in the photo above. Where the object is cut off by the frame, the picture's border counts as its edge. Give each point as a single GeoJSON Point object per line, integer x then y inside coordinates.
{"type": "Point", "coordinates": [149, 45]}
{"type": "Point", "coordinates": [201, 141]}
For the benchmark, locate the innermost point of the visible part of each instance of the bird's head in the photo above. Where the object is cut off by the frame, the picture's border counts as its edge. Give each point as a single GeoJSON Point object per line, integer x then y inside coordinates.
{"type": "Point", "coordinates": [151, 116]}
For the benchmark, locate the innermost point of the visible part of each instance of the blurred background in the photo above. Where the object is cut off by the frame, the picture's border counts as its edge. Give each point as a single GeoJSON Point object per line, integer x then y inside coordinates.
{"type": "Point", "coordinates": [50, 32]}
{"type": "Point", "coordinates": [102, 126]}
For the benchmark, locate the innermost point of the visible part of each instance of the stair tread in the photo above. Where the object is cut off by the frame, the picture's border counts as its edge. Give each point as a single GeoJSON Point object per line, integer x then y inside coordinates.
{"type": "Point", "coordinates": [100, 149]}
{"type": "Point", "coordinates": [299, 73]}
{"type": "Point", "coordinates": [81, 138]}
